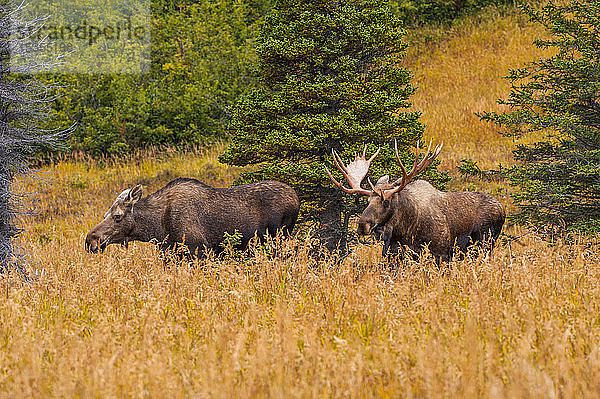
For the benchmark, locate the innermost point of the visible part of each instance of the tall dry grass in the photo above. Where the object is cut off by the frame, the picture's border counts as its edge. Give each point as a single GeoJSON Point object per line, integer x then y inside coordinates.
{"type": "Point", "coordinates": [277, 322]}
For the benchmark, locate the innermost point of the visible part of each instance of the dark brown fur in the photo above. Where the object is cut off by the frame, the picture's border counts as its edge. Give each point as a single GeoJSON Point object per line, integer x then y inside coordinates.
{"type": "Point", "coordinates": [420, 215]}
{"type": "Point", "coordinates": [191, 212]}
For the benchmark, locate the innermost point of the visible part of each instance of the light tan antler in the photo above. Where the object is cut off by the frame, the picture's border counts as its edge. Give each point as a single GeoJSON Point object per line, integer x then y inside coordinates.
{"type": "Point", "coordinates": [417, 168]}
{"type": "Point", "coordinates": [354, 172]}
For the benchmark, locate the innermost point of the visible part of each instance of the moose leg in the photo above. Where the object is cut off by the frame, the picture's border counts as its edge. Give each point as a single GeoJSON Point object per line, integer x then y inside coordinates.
{"type": "Point", "coordinates": [386, 235]}
{"type": "Point", "coordinates": [392, 249]}
{"type": "Point", "coordinates": [287, 226]}
{"type": "Point", "coordinates": [483, 239]}
{"type": "Point", "coordinates": [396, 249]}
{"type": "Point", "coordinates": [460, 247]}
{"type": "Point", "coordinates": [488, 240]}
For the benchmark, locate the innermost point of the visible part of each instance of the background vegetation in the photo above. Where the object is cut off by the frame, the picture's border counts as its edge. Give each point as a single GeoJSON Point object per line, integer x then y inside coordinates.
{"type": "Point", "coordinates": [124, 323]}
{"type": "Point", "coordinates": [200, 63]}
{"type": "Point", "coordinates": [556, 99]}
{"type": "Point", "coordinates": [428, 12]}
{"type": "Point", "coordinates": [203, 57]}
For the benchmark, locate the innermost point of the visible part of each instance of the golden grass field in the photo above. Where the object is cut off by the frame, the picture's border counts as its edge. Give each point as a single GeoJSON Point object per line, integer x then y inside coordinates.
{"type": "Point", "coordinates": [276, 322]}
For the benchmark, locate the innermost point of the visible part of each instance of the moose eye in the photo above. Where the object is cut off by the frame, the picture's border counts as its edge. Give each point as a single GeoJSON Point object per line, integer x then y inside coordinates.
{"type": "Point", "coordinates": [117, 218]}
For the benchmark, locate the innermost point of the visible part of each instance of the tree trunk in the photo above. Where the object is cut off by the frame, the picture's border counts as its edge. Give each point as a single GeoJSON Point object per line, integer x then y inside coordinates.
{"type": "Point", "coordinates": [333, 226]}
{"type": "Point", "coordinates": [6, 225]}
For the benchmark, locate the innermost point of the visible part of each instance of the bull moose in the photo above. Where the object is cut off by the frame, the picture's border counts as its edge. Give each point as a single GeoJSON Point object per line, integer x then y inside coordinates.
{"type": "Point", "coordinates": [415, 214]}
{"type": "Point", "coordinates": [196, 214]}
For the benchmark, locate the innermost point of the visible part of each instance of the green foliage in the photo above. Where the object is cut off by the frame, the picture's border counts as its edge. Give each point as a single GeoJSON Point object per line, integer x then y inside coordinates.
{"type": "Point", "coordinates": [468, 167]}
{"type": "Point", "coordinates": [418, 12]}
{"type": "Point", "coordinates": [93, 36]}
{"type": "Point", "coordinates": [203, 53]}
{"type": "Point", "coordinates": [230, 241]}
{"type": "Point", "coordinates": [200, 61]}
{"type": "Point", "coordinates": [557, 98]}
{"type": "Point", "coordinates": [329, 80]}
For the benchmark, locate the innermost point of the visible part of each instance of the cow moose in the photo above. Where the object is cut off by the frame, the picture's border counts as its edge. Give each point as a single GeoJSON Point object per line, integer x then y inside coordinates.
{"type": "Point", "coordinates": [415, 214]}
{"type": "Point", "coordinates": [198, 215]}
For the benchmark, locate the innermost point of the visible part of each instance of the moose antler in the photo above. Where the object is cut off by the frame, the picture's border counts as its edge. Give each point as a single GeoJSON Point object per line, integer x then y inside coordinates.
{"type": "Point", "coordinates": [354, 172]}
{"type": "Point", "coordinates": [417, 168]}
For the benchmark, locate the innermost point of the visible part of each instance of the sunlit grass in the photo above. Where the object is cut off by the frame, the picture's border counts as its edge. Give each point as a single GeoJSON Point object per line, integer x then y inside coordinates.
{"type": "Point", "coordinates": [279, 322]}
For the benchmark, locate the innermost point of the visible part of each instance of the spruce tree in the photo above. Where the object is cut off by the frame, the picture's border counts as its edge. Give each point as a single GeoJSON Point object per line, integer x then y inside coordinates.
{"type": "Point", "coordinates": [330, 79]}
{"type": "Point", "coordinates": [557, 101]}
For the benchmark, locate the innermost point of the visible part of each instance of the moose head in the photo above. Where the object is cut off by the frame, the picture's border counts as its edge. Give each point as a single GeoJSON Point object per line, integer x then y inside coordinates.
{"type": "Point", "coordinates": [382, 194]}
{"type": "Point", "coordinates": [118, 222]}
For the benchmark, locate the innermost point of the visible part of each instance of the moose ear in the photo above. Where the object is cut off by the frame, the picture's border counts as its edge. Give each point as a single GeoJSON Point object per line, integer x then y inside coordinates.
{"type": "Point", "coordinates": [383, 180]}
{"type": "Point", "coordinates": [134, 195]}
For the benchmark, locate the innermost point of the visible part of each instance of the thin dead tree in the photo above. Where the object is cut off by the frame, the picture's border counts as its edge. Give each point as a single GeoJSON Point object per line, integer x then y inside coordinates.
{"type": "Point", "coordinates": [25, 111]}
